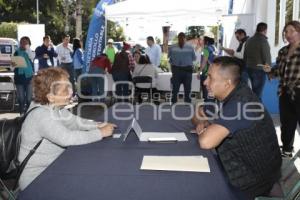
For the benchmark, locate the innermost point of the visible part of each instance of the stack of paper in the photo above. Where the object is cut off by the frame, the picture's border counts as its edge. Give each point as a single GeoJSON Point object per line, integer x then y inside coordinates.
{"type": "Point", "coordinates": [176, 163]}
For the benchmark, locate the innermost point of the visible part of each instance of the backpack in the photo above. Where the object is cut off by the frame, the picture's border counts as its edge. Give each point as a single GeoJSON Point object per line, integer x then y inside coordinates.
{"type": "Point", "coordinates": [10, 140]}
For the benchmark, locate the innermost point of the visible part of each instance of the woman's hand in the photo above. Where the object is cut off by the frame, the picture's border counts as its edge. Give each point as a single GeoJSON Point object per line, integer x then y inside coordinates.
{"type": "Point", "coordinates": [13, 64]}
{"type": "Point", "coordinates": [106, 129]}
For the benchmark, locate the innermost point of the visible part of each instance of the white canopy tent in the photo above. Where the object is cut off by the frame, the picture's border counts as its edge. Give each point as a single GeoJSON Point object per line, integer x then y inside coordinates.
{"type": "Point", "coordinates": [168, 12]}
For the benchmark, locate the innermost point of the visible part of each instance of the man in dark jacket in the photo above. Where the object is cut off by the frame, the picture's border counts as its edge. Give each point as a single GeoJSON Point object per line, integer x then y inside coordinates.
{"type": "Point", "coordinates": [240, 129]}
{"type": "Point", "coordinates": [121, 72]}
{"type": "Point", "coordinates": [241, 36]}
{"type": "Point", "coordinates": [45, 53]}
{"type": "Point", "coordinates": [257, 53]}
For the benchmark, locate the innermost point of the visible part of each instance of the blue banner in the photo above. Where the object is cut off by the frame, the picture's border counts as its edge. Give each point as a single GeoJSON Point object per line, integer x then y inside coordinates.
{"type": "Point", "coordinates": [95, 41]}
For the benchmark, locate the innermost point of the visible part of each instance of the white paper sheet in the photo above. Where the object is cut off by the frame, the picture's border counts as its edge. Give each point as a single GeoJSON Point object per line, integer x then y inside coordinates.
{"type": "Point", "coordinates": [179, 136]}
{"type": "Point", "coordinates": [19, 61]}
{"type": "Point", "coordinates": [176, 163]}
{"type": "Point", "coordinates": [155, 136]}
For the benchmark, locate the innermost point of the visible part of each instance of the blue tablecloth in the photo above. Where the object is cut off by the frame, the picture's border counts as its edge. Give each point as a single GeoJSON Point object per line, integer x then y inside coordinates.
{"type": "Point", "coordinates": [110, 169]}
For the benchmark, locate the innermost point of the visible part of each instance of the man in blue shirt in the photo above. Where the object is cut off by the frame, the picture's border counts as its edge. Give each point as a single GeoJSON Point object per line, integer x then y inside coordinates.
{"type": "Point", "coordinates": [181, 58]}
{"type": "Point", "coordinates": [240, 129]}
{"type": "Point", "coordinates": [45, 53]}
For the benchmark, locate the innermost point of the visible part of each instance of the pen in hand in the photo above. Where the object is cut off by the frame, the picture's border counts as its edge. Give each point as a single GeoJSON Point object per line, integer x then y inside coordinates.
{"type": "Point", "coordinates": [202, 131]}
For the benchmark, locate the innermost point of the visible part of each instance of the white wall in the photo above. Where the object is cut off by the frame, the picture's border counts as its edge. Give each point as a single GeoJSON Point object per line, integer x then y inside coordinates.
{"type": "Point", "coordinates": [35, 32]}
{"type": "Point", "coordinates": [265, 11]}
{"type": "Point", "coordinates": [234, 22]}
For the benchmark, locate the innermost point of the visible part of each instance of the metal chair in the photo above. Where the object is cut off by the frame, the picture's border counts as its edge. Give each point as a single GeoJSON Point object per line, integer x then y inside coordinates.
{"type": "Point", "coordinates": [142, 80]}
{"type": "Point", "coordinates": [290, 180]}
{"type": "Point", "coordinates": [7, 89]}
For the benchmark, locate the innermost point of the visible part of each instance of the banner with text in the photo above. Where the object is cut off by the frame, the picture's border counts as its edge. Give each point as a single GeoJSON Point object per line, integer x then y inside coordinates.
{"type": "Point", "coordinates": [95, 41]}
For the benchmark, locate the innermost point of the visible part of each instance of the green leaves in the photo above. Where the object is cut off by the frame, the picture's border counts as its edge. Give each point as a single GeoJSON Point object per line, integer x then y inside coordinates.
{"type": "Point", "coordinates": [53, 15]}
{"type": "Point", "coordinates": [8, 30]}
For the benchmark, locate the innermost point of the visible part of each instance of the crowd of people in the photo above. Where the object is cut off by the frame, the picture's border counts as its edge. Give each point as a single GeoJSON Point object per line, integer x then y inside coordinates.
{"type": "Point", "coordinates": [246, 145]}
{"type": "Point", "coordinates": [70, 57]}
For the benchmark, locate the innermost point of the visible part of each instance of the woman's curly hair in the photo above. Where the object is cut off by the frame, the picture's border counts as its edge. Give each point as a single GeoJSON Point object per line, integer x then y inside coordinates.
{"type": "Point", "coordinates": [43, 83]}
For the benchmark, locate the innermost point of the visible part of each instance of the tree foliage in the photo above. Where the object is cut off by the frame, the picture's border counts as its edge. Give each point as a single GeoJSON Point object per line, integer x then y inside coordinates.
{"type": "Point", "coordinates": [8, 30]}
{"type": "Point", "coordinates": [214, 30]}
{"type": "Point", "coordinates": [194, 32]}
{"type": "Point", "coordinates": [115, 31]}
{"type": "Point", "coordinates": [53, 14]}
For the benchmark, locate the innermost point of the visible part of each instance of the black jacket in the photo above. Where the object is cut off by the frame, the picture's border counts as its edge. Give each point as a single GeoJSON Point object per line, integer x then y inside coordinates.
{"type": "Point", "coordinates": [251, 157]}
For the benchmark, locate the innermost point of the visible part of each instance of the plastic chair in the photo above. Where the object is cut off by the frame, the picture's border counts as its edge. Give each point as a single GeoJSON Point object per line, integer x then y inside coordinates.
{"type": "Point", "coordinates": [289, 181]}
{"type": "Point", "coordinates": [7, 89]}
{"type": "Point", "coordinates": [143, 80]}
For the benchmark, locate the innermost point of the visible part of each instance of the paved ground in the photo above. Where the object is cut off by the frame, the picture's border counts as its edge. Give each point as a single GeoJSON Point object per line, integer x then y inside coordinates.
{"type": "Point", "coordinates": [93, 111]}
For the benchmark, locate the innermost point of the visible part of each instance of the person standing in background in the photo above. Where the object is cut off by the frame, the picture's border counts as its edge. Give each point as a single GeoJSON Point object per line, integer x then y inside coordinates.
{"type": "Point", "coordinates": [181, 57]}
{"type": "Point", "coordinates": [28, 50]}
{"type": "Point", "coordinates": [241, 37]}
{"type": "Point", "coordinates": [110, 50]}
{"type": "Point", "coordinates": [287, 69]}
{"type": "Point", "coordinates": [121, 71]}
{"type": "Point", "coordinates": [23, 76]}
{"type": "Point", "coordinates": [257, 53]}
{"type": "Point", "coordinates": [45, 53]}
{"type": "Point", "coordinates": [153, 51]}
{"type": "Point", "coordinates": [77, 57]}
{"type": "Point", "coordinates": [198, 51]}
{"type": "Point", "coordinates": [64, 52]}
{"type": "Point", "coordinates": [208, 55]}
{"type": "Point", "coordinates": [100, 65]}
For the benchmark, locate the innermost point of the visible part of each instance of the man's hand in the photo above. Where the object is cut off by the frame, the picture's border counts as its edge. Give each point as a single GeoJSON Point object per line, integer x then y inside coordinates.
{"type": "Point", "coordinates": [228, 51]}
{"type": "Point", "coordinates": [200, 128]}
{"type": "Point", "coordinates": [45, 56]}
{"type": "Point", "coordinates": [199, 116]}
{"type": "Point", "coordinates": [267, 68]}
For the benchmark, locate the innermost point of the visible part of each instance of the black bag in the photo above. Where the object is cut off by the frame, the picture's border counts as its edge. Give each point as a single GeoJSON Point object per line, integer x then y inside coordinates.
{"type": "Point", "coordinates": [10, 140]}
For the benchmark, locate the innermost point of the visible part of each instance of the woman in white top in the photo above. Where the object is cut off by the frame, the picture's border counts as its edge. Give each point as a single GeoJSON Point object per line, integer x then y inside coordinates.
{"type": "Point", "coordinates": [56, 126]}
{"type": "Point", "coordinates": [145, 68]}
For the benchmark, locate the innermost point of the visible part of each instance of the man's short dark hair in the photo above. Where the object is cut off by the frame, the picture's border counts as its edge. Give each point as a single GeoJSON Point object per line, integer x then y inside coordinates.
{"type": "Point", "coordinates": [240, 31]}
{"type": "Point", "coordinates": [65, 35]}
{"type": "Point", "coordinates": [261, 27]}
{"type": "Point", "coordinates": [181, 34]}
{"type": "Point", "coordinates": [150, 38]}
{"type": "Point", "coordinates": [208, 40]}
{"type": "Point", "coordinates": [46, 37]}
{"type": "Point", "coordinates": [231, 66]}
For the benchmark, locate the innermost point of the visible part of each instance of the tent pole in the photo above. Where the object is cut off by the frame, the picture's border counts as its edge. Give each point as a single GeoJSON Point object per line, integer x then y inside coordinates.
{"type": "Point", "coordinates": [105, 30]}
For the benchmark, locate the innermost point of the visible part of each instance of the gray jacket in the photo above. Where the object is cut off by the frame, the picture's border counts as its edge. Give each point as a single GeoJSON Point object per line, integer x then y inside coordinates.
{"type": "Point", "coordinates": [257, 51]}
{"type": "Point", "coordinates": [58, 128]}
